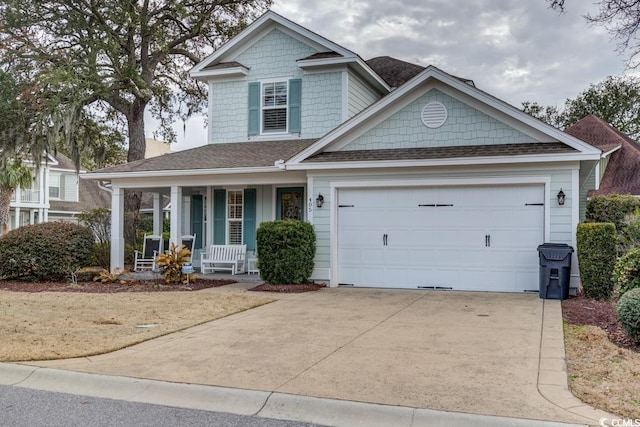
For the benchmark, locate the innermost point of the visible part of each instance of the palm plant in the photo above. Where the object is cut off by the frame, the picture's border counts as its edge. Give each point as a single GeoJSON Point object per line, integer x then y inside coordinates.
{"type": "Point", "coordinates": [14, 174]}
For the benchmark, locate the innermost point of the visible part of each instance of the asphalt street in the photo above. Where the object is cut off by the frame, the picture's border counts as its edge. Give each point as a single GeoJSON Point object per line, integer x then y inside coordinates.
{"type": "Point", "coordinates": [21, 407]}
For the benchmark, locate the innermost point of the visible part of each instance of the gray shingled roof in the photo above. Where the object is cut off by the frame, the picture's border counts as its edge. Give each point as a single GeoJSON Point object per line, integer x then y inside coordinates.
{"type": "Point", "coordinates": [443, 152]}
{"type": "Point", "coordinates": [321, 55]}
{"type": "Point", "coordinates": [219, 156]}
{"type": "Point", "coordinates": [222, 65]}
{"type": "Point", "coordinates": [397, 72]}
{"type": "Point", "coordinates": [91, 196]}
{"type": "Point", "coordinates": [394, 71]}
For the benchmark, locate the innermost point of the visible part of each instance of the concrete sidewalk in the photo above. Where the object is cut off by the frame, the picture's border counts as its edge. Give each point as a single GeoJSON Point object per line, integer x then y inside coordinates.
{"type": "Point", "coordinates": [477, 353]}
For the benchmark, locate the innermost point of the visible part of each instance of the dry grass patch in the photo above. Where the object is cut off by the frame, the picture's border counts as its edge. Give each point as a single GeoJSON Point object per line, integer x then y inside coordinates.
{"type": "Point", "coordinates": [601, 373]}
{"type": "Point", "coordinates": [60, 325]}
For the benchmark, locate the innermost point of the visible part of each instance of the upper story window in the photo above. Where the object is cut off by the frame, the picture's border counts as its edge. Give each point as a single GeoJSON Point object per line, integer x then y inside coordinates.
{"type": "Point", "coordinates": [54, 185]}
{"type": "Point", "coordinates": [275, 107]}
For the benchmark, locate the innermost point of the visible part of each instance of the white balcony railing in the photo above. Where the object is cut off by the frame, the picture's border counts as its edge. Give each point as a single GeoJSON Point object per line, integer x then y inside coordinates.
{"type": "Point", "coordinates": [28, 196]}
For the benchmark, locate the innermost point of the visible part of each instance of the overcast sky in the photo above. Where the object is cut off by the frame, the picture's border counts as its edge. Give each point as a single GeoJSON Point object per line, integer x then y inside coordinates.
{"type": "Point", "coordinates": [516, 50]}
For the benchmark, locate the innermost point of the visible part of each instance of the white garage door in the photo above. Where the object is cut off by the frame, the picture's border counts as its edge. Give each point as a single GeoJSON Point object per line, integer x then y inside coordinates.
{"type": "Point", "coordinates": [476, 238]}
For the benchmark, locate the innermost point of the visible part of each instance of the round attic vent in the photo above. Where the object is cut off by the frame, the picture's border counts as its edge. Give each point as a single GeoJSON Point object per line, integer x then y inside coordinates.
{"type": "Point", "coordinates": [434, 115]}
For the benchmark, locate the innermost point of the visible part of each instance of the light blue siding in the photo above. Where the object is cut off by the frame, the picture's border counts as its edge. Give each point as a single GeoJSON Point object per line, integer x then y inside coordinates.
{"type": "Point", "coordinates": [275, 56]}
{"type": "Point", "coordinates": [588, 185]}
{"type": "Point", "coordinates": [321, 103]}
{"type": "Point", "coordinates": [228, 111]}
{"type": "Point", "coordinates": [464, 126]}
{"type": "Point", "coordinates": [360, 95]}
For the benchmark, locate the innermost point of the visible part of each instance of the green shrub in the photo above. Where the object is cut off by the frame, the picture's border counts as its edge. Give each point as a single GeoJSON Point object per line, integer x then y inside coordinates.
{"type": "Point", "coordinates": [99, 222]}
{"type": "Point", "coordinates": [628, 309]}
{"type": "Point", "coordinates": [596, 256]}
{"type": "Point", "coordinates": [626, 272]}
{"type": "Point", "coordinates": [145, 224]}
{"type": "Point", "coordinates": [629, 233]}
{"type": "Point", "coordinates": [611, 208]}
{"type": "Point", "coordinates": [49, 251]}
{"type": "Point", "coordinates": [286, 250]}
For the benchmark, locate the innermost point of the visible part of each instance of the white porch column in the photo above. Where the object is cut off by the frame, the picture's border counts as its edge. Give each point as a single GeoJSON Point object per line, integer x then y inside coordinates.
{"type": "Point", "coordinates": [32, 216]}
{"type": "Point", "coordinates": [16, 222]}
{"type": "Point", "coordinates": [157, 214]}
{"type": "Point", "coordinates": [117, 229]}
{"type": "Point", "coordinates": [40, 216]}
{"type": "Point", "coordinates": [208, 220]}
{"type": "Point", "coordinates": [176, 214]}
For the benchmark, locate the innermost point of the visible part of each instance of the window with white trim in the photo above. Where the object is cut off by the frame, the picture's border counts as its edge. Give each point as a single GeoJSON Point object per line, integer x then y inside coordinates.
{"type": "Point", "coordinates": [54, 185]}
{"type": "Point", "coordinates": [234, 217]}
{"type": "Point", "coordinates": [274, 107]}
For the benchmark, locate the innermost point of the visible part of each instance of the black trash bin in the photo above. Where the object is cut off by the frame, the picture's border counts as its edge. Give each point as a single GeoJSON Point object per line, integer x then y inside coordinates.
{"type": "Point", "coordinates": [555, 270]}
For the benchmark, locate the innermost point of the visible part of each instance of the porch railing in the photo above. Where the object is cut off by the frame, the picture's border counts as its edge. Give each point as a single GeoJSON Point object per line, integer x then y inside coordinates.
{"type": "Point", "coordinates": [28, 196]}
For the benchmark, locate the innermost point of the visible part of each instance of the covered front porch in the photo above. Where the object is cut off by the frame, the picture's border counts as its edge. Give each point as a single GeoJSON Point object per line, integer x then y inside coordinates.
{"type": "Point", "coordinates": [219, 209]}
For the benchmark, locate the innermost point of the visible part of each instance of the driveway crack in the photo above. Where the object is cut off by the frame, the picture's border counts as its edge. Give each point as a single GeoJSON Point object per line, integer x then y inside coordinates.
{"type": "Point", "coordinates": [349, 342]}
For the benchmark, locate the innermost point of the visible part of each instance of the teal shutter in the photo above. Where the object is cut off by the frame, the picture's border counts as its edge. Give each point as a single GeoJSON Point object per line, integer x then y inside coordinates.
{"type": "Point", "coordinates": [295, 103]}
{"type": "Point", "coordinates": [249, 219]}
{"type": "Point", "coordinates": [197, 219]}
{"type": "Point", "coordinates": [254, 109]}
{"type": "Point", "coordinates": [219, 216]}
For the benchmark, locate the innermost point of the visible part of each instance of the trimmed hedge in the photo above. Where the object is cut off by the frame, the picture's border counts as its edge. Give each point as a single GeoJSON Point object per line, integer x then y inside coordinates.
{"type": "Point", "coordinates": [611, 208]}
{"type": "Point", "coordinates": [286, 249]}
{"type": "Point", "coordinates": [596, 256]}
{"type": "Point", "coordinates": [626, 272]}
{"type": "Point", "coordinates": [628, 309]}
{"type": "Point", "coordinates": [44, 252]}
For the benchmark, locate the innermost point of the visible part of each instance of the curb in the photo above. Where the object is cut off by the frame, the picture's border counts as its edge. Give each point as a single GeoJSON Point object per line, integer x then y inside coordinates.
{"type": "Point", "coordinates": [552, 370]}
{"type": "Point", "coordinates": [262, 404]}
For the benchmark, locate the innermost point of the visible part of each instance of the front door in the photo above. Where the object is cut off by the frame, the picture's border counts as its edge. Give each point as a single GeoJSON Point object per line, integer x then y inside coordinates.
{"type": "Point", "coordinates": [290, 203]}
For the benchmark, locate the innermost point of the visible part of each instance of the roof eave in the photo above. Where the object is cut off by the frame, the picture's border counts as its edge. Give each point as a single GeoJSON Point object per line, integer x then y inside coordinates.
{"type": "Point", "coordinates": [232, 72]}
{"type": "Point", "coordinates": [613, 150]}
{"type": "Point", "coordinates": [458, 161]}
{"type": "Point", "coordinates": [180, 172]}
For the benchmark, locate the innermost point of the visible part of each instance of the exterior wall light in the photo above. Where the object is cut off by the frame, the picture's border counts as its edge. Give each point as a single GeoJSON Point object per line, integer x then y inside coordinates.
{"type": "Point", "coordinates": [561, 197]}
{"type": "Point", "coordinates": [319, 200]}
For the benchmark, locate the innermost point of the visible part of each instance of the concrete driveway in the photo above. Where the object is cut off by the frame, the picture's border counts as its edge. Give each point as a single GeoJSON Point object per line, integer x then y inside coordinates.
{"type": "Point", "coordinates": [454, 351]}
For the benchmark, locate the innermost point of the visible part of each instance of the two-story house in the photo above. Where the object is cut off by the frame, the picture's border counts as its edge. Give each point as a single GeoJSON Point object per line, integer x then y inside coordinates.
{"type": "Point", "coordinates": [412, 177]}
{"type": "Point", "coordinates": [57, 194]}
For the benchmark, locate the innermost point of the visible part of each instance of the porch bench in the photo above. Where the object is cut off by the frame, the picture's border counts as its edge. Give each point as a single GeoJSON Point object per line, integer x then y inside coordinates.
{"type": "Point", "coordinates": [223, 257]}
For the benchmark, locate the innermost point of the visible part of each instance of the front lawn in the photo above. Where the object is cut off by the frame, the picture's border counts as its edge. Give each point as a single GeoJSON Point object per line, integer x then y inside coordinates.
{"type": "Point", "coordinates": [603, 363]}
{"type": "Point", "coordinates": [58, 325]}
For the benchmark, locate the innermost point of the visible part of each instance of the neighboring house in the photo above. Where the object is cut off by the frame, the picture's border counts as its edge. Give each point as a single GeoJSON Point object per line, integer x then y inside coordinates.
{"type": "Point", "coordinates": [412, 177]}
{"type": "Point", "coordinates": [618, 170]}
{"type": "Point", "coordinates": [57, 194]}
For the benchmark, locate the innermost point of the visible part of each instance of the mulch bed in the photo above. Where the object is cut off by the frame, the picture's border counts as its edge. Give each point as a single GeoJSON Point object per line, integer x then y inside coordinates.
{"type": "Point", "coordinates": [106, 288]}
{"type": "Point", "coordinates": [294, 288]}
{"type": "Point", "coordinates": [584, 311]}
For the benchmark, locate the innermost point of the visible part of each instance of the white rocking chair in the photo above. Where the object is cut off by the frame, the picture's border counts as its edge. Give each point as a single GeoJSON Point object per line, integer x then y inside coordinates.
{"type": "Point", "coordinates": [151, 247]}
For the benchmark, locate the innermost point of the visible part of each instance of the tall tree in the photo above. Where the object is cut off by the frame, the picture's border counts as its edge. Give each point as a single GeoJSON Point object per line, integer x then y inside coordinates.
{"type": "Point", "coordinates": [121, 55]}
{"type": "Point", "coordinates": [616, 100]}
{"type": "Point", "coordinates": [14, 174]}
{"type": "Point", "coordinates": [621, 18]}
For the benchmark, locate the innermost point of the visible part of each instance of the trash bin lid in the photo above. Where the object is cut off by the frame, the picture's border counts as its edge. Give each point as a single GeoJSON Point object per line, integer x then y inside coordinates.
{"type": "Point", "coordinates": [555, 251]}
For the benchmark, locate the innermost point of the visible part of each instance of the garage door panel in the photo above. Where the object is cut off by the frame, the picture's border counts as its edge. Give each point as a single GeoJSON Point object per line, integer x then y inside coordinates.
{"type": "Point", "coordinates": [442, 246]}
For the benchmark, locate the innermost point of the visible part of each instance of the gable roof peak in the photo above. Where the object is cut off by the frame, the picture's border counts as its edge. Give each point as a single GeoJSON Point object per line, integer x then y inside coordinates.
{"type": "Point", "coordinates": [267, 20]}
